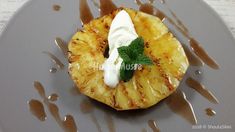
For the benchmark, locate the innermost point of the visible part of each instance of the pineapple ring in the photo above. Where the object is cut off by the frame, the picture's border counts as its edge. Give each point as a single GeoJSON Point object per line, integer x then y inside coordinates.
{"type": "Point", "coordinates": [149, 85]}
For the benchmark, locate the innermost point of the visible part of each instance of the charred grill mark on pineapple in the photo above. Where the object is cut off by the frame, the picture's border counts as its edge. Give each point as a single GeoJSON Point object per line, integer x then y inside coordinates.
{"type": "Point", "coordinates": [125, 92]}
{"type": "Point", "coordinates": [141, 92]}
{"type": "Point", "coordinates": [163, 74]}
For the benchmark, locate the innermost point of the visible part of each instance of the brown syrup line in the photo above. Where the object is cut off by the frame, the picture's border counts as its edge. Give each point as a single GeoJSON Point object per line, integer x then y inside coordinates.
{"type": "Point", "coordinates": [68, 124]}
{"type": "Point", "coordinates": [95, 121]}
{"type": "Point", "coordinates": [59, 64]}
{"type": "Point", "coordinates": [153, 125]}
{"type": "Point", "coordinates": [202, 54]}
{"type": "Point", "coordinates": [60, 43]}
{"type": "Point", "coordinates": [179, 104]}
{"type": "Point", "coordinates": [85, 12]}
{"type": "Point", "coordinates": [194, 84]}
{"type": "Point", "coordinates": [198, 50]}
{"type": "Point", "coordinates": [106, 6]}
{"type": "Point", "coordinates": [179, 22]}
{"type": "Point", "coordinates": [183, 27]}
{"type": "Point", "coordinates": [193, 60]}
{"type": "Point", "coordinates": [110, 122]}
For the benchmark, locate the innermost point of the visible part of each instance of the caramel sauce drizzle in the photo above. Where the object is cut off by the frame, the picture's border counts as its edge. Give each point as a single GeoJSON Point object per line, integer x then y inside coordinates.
{"type": "Point", "coordinates": [198, 50]}
{"type": "Point", "coordinates": [192, 83]}
{"type": "Point", "coordinates": [68, 123]}
{"type": "Point", "coordinates": [85, 12]}
{"type": "Point", "coordinates": [59, 64]}
{"type": "Point", "coordinates": [110, 122]}
{"type": "Point", "coordinates": [153, 125]}
{"type": "Point", "coordinates": [193, 60]}
{"type": "Point", "coordinates": [60, 43]}
{"type": "Point", "coordinates": [106, 6]}
{"type": "Point", "coordinates": [179, 104]}
{"type": "Point", "coordinates": [201, 53]}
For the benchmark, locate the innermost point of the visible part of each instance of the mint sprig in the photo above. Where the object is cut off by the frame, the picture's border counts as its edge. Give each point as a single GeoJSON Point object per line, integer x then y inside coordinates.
{"type": "Point", "coordinates": [132, 55]}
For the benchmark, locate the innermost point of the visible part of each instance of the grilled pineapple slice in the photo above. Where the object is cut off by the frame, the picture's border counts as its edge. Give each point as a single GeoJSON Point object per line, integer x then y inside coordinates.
{"type": "Point", "coordinates": [149, 85]}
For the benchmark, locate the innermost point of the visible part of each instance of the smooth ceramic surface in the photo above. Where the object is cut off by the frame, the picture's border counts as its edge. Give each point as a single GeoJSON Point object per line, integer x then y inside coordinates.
{"type": "Point", "coordinates": [33, 30]}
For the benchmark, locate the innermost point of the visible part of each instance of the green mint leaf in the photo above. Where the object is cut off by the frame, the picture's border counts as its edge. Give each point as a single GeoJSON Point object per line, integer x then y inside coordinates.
{"type": "Point", "coordinates": [131, 55]}
{"type": "Point", "coordinates": [137, 46]}
{"type": "Point", "coordinates": [143, 59]}
{"type": "Point", "coordinates": [125, 72]}
{"type": "Point", "coordinates": [124, 53]}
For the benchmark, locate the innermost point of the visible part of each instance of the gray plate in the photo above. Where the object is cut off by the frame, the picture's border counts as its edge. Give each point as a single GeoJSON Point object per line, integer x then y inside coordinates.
{"type": "Point", "coordinates": [33, 29]}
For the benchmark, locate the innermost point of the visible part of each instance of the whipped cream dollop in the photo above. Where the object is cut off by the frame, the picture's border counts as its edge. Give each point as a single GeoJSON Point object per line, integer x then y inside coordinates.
{"type": "Point", "coordinates": [121, 33]}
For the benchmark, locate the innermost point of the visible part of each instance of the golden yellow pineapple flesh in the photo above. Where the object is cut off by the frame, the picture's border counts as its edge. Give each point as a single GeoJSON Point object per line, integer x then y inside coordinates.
{"type": "Point", "coordinates": [149, 85]}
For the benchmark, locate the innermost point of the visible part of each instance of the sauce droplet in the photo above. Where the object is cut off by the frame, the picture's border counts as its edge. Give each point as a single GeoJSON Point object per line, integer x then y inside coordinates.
{"type": "Point", "coordinates": [56, 7]}
{"type": "Point", "coordinates": [153, 125]}
{"type": "Point", "coordinates": [53, 97]}
{"type": "Point", "coordinates": [37, 109]}
{"type": "Point", "coordinates": [54, 59]}
{"type": "Point", "coordinates": [85, 12]}
{"type": "Point", "coordinates": [210, 112]}
{"type": "Point", "coordinates": [40, 89]}
{"type": "Point", "coordinates": [53, 70]}
{"type": "Point", "coordinates": [110, 122]}
{"type": "Point", "coordinates": [192, 83]}
{"type": "Point", "coordinates": [69, 124]}
{"type": "Point", "coordinates": [201, 53]}
{"type": "Point", "coordinates": [193, 60]}
{"type": "Point", "coordinates": [54, 110]}
{"type": "Point", "coordinates": [179, 104]}
{"type": "Point", "coordinates": [106, 7]}
{"type": "Point", "coordinates": [62, 46]}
